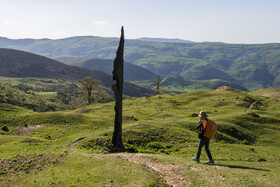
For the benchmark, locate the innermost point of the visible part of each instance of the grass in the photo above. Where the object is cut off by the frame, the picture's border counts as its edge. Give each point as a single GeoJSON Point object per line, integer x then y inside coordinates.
{"type": "Point", "coordinates": [83, 171]}
{"type": "Point", "coordinates": [226, 172]}
{"type": "Point", "coordinates": [41, 94]}
{"type": "Point", "coordinates": [246, 148]}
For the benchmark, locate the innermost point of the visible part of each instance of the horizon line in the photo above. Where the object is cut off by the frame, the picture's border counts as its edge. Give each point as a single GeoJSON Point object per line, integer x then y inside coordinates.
{"type": "Point", "coordinates": [141, 38]}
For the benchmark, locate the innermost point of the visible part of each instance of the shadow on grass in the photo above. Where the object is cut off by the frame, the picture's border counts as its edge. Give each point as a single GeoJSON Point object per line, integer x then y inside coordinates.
{"type": "Point", "coordinates": [240, 167]}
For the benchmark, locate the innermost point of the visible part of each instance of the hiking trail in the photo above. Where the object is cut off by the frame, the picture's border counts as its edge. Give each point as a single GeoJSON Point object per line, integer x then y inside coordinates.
{"type": "Point", "coordinates": [170, 173]}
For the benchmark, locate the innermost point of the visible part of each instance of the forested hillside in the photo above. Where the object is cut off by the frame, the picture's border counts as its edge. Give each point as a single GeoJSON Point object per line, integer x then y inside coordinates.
{"type": "Point", "coordinates": [252, 66]}
{"type": "Point", "coordinates": [131, 72]}
{"type": "Point", "coordinates": [26, 76]}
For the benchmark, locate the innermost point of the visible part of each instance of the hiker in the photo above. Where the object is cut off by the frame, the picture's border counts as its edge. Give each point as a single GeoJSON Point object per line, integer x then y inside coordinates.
{"type": "Point", "coordinates": [203, 140]}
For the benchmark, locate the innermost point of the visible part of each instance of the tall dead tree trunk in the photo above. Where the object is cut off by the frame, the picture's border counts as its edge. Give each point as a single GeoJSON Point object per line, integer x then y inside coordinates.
{"type": "Point", "coordinates": [118, 89]}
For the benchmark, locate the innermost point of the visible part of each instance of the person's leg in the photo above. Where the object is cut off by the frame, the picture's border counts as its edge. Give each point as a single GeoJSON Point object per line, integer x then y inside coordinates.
{"type": "Point", "coordinates": [207, 142]}
{"type": "Point", "coordinates": [200, 145]}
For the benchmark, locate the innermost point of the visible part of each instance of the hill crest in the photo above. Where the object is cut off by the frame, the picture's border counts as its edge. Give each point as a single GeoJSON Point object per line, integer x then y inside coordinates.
{"type": "Point", "coordinates": [168, 40]}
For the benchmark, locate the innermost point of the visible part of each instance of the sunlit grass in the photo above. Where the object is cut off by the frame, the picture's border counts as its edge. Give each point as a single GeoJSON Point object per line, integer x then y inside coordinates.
{"type": "Point", "coordinates": [246, 146]}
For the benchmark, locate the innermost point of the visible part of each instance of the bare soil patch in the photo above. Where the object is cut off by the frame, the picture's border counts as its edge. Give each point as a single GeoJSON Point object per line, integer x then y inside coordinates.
{"type": "Point", "coordinates": [28, 130]}
{"type": "Point", "coordinates": [225, 88]}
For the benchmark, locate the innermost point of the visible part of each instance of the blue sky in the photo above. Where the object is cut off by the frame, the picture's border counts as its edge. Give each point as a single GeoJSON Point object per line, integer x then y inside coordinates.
{"type": "Point", "coordinates": [230, 21]}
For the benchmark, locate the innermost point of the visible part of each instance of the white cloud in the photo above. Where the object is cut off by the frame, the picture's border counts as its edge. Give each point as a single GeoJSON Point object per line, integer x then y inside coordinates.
{"type": "Point", "coordinates": [5, 22]}
{"type": "Point", "coordinates": [101, 22]}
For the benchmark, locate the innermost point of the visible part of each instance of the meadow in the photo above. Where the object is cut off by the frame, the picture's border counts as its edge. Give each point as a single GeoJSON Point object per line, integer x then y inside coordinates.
{"type": "Point", "coordinates": [72, 147]}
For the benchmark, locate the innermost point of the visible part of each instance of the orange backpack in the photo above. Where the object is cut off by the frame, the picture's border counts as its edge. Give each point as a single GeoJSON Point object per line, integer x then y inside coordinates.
{"type": "Point", "coordinates": [211, 128]}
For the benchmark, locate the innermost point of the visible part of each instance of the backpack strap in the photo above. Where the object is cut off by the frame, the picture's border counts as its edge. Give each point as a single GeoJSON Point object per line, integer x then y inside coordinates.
{"type": "Point", "coordinates": [203, 122]}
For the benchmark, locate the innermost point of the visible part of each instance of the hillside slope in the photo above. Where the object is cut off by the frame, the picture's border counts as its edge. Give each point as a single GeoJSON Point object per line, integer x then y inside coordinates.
{"type": "Point", "coordinates": [15, 63]}
{"type": "Point", "coordinates": [180, 84]}
{"type": "Point", "coordinates": [131, 72]}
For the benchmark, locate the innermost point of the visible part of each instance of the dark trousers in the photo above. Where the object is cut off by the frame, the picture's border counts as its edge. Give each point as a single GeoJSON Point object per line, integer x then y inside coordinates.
{"type": "Point", "coordinates": [204, 142]}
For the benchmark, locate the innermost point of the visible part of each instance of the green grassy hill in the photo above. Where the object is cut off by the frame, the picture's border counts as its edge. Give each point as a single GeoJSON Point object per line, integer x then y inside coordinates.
{"type": "Point", "coordinates": [178, 84]}
{"type": "Point", "coordinates": [42, 94]}
{"type": "Point", "coordinates": [65, 148]}
{"type": "Point", "coordinates": [268, 92]}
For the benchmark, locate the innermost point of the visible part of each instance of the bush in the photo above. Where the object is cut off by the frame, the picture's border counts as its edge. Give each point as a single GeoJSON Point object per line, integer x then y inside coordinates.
{"type": "Point", "coordinates": [99, 144]}
{"type": "Point", "coordinates": [155, 145]}
{"type": "Point", "coordinates": [245, 142]}
{"type": "Point", "coordinates": [5, 129]}
{"type": "Point", "coordinates": [253, 114]}
{"type": "Point", "coordinates": [193, 115]}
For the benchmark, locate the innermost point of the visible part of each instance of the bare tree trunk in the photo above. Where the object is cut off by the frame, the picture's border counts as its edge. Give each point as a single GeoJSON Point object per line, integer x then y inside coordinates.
{"type": "Point", "coordinates": [157, 84]}
{"type": "Point", "coordinates": [89, 95]}
{"type": "Point", "coordinates": [118, 89]}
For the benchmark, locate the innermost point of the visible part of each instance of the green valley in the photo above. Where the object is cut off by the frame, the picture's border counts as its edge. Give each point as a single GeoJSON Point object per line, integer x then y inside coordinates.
{"type": "Point", "coordinates": [253, 66]}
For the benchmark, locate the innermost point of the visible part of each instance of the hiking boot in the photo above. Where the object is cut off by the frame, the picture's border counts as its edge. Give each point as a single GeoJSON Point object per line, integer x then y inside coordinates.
{"type": "Point", "coordinates": [210, 162]}
{"type": "Point", "coordinates": [195, 159]}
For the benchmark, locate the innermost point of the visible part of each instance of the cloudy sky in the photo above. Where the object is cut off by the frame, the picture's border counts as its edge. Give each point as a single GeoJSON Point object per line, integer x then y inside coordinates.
{"type": "Point", "coordinates": [230, 21]}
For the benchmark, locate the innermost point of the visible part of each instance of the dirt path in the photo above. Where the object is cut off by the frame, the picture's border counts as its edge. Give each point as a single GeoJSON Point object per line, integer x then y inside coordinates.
{"type": "Point", "coordinates": [68, 148]}
{"type": "Point", "coordinates": [168, 172]}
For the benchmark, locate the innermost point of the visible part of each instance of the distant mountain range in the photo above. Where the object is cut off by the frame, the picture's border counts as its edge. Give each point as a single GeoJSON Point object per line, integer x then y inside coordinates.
{"type": "Point", "coordinates": [15, 63]}
{"type": "Point", "coordinates": [252, 66]}
{"type": "Point", "coordinates": [138, 74]}
{"type": "Point", "coordinates": [169, 40]}
{"type": "Point", "coordinates": [131, 72]}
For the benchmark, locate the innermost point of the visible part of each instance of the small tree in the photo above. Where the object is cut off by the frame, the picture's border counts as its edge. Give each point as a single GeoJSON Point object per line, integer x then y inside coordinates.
{"type": "Point", "coordinates": [157, 84]}
{"type": "Point", "coordinates": [96, 92]}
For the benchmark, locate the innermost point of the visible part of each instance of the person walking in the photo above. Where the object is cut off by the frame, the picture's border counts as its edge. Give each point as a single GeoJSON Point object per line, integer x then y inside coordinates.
{"type": "Point", "coordinates": [202, 124]}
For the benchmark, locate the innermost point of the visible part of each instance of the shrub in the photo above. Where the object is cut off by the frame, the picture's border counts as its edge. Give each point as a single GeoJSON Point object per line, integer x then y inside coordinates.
{"type": "Point", "coordinates": [155, 145]}
{"type": "Point", "coordinates": [245, 142]}
{"type": "Point", "coordinates": [253, 114]}
{"type": "Point", "coordinates": [5, 129]}
{"type": "Point", "coordinates": [262, 160]}
{"type": "Point", "coordinates": [100, 144]}
{"type": "Point", "coordinates": [193, 115]}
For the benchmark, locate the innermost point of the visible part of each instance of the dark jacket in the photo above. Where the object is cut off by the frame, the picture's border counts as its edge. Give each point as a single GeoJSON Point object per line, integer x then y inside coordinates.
{"type": "Point", "coordinates": [200, 125]}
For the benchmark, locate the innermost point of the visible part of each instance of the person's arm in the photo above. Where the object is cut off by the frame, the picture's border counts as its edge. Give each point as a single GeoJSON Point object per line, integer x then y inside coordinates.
{"type": "Point", "coordinates": [199, 125]}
